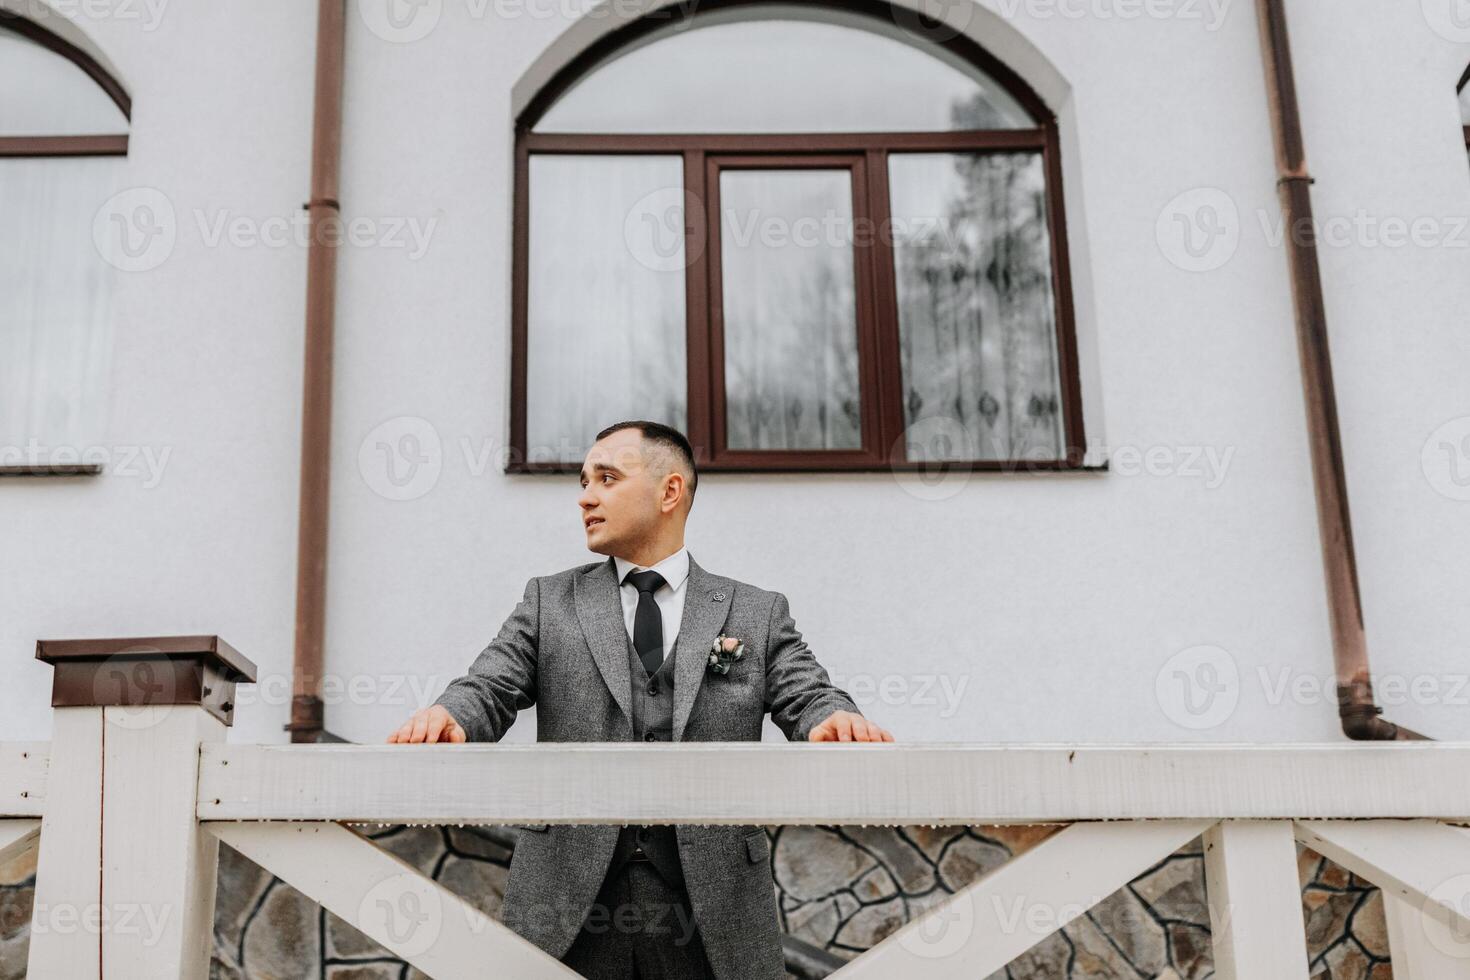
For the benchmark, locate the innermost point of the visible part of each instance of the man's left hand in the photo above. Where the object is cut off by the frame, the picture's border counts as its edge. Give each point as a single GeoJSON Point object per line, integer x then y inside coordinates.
{"type": "Point", "coordinates": [847, 726]}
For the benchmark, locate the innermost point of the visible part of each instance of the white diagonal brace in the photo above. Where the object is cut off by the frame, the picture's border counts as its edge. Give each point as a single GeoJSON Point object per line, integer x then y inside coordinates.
{"type": "Point", "coordinates": [1425, 862]}
{"type": "Point", "coordinates": [388, 900]}
{"type": "Point", "coordinates": [990, 922]}
{"type": "Point", "coordinates": [17, 837]}
{"type": "Point", "coordinates": [1255, 897]}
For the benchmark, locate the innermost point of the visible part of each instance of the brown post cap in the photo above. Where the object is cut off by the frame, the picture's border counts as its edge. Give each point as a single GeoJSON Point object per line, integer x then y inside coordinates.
{"type": "Point", "coordinates": [131, 671]}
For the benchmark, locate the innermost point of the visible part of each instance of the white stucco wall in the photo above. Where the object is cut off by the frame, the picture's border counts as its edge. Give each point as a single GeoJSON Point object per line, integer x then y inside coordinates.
{"type": "Point", "coordinates": [1019, 607]}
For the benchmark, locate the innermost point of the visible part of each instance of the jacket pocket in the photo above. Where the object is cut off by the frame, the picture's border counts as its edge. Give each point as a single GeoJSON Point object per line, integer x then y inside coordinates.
{"type": "Point", "coordinates": [757, 847]}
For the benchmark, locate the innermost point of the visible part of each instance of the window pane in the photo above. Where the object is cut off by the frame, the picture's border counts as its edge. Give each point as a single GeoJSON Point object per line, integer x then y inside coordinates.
{"type": "Point", "coordinates": [44, 94]}
{"type": "Point", "coordinates": [791, 365]}
{"type": "Point", "coordinates": [55, 287]}
{"type": "Point", "coordinates": [791, 71]}
{"type": "Point", "coordinates": [605, 300]}
{"type": "Point", "coordinates": [976, 315]}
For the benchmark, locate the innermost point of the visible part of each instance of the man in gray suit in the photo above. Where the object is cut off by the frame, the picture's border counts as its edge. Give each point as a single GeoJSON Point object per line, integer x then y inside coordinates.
{"type": "Point", "coordinates": [587, 647]}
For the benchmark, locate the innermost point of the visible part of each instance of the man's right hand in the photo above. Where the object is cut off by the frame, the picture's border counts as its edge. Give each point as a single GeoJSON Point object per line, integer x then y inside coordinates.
{"type": "Point", "coordinates": [432, 724]}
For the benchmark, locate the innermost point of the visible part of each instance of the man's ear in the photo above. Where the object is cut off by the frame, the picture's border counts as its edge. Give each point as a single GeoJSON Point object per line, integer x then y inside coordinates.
{"type": "Point", "coordinates": [683, 487]}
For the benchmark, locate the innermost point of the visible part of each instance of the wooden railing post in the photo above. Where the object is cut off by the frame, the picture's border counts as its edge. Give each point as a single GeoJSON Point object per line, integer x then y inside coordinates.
{"type": "Point", "coordinates": [1255, 898]}
{"type": "Point", "coordinates": [125, 876]}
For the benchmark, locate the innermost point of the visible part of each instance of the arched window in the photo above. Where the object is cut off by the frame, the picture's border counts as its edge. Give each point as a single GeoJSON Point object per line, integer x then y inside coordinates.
{"type": "Point", "coordinates": [804, 235]}
{"type": "Point", "coordinates": [63, 128]}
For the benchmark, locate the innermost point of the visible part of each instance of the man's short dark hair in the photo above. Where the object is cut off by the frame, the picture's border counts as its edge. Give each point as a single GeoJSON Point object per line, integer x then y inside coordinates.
{"type": "Point", "coordinates": [665, 436]}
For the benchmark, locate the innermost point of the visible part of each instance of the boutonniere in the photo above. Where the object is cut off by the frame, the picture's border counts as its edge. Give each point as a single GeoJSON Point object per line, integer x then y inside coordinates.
{"type": "Point", "coordinates": [724, 652]}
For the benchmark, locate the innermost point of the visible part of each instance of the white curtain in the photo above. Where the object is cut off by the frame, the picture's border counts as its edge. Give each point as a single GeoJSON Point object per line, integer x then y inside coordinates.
{"type": "Point", "coordinates": [606, 299]}
{"type": "Point", "coordinates": [55, 287]}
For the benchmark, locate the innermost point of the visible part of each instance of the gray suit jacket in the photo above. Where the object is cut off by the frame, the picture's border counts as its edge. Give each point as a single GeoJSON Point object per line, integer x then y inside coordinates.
{"type": "Point", "coordinates": [565, 650]}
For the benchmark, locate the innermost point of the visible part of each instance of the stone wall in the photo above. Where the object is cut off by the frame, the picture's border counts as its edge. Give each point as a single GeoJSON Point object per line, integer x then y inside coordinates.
{"type": "Point", "coordinates": [841, 889]}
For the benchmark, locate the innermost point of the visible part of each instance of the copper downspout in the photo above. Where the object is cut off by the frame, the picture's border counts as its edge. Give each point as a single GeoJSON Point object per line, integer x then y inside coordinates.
{"type": "Point", "coordinates": [1356, 707]}
{"type": "Point", "coordinates": [316, 400]}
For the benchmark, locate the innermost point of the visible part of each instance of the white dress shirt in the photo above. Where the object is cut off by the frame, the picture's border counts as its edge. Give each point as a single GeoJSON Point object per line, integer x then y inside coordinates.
{"type": "Point", "coordinates": [669, 596]}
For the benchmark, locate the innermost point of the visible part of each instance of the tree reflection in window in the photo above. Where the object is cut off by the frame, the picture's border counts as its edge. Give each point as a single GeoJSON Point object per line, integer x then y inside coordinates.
{"type": "Point", "coordinates": [975, 303]}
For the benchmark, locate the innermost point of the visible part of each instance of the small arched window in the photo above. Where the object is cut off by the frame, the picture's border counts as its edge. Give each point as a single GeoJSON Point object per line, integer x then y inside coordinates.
{"type": "Point", "coordinates": [63, 130]}
{"type": "Point", "coordinates": [806, 236]}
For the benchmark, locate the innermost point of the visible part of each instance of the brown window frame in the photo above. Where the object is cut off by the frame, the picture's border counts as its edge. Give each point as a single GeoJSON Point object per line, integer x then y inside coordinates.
{"type": "Point", "coordinates": [111, 145]}
{"type": "Point", "coordinates": [880, 366]}
{"type": "Point", "coordinates": [864, 313]}
{"type": "Point", "coordinates": [115, 145]}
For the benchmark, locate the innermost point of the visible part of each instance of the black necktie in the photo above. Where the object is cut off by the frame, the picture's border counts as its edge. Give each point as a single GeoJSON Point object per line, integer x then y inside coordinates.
{"type": "Point", "coordinates": [648, 622]}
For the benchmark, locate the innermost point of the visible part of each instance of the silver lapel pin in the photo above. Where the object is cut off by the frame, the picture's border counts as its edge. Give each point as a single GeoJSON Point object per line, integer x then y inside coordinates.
{"type": "Point", "coordinates": [717, 596]}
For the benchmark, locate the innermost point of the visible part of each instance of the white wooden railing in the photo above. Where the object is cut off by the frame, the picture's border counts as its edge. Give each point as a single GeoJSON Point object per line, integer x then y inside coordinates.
{"type": "Point", "coordinates": [128, 804]}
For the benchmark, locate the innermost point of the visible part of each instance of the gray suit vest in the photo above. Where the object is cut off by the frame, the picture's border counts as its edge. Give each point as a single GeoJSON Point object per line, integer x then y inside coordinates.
{"type": "Point", "coordinates": [652, 700]}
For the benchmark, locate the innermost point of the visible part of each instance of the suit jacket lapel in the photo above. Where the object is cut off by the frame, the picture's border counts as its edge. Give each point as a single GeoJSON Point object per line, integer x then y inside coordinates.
{"type": "Point", "coordinates": [707, 601]}
{"type": "Point", "coordinates": [600, 613]}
